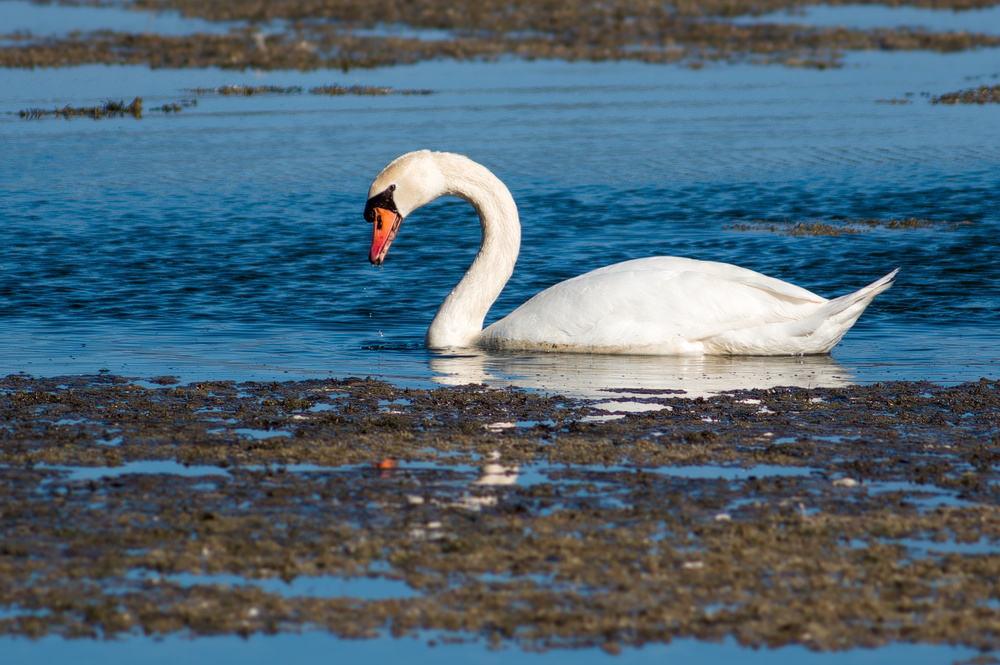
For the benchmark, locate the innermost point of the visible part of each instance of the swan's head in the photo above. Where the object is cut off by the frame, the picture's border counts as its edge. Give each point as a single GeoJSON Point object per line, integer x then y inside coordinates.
{"type": "Point", "coordinates": [407, 183]}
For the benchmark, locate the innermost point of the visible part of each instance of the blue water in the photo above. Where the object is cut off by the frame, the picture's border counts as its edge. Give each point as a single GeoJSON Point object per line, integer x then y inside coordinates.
{"type": "Point", "coordinates": [317, 647]}
{"type": "Point", "coordinates": [227, 241]}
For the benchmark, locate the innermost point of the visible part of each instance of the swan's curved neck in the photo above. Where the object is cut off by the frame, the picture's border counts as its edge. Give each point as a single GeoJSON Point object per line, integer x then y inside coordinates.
{"type": "Point", "coordinates": [459, 320]}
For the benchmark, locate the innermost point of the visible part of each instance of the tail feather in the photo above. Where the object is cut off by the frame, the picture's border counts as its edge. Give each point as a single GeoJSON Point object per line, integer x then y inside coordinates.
{"type": "Point", "coordinates": [827, 325]}
{"type": "Point", "coordinates": [846, 306]}
{"type": "Point", "coordinates": [817, 333]}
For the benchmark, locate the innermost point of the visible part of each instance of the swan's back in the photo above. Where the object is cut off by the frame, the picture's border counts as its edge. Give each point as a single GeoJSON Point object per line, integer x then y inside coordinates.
{"type": "Point", "coordinates": [671, 305]}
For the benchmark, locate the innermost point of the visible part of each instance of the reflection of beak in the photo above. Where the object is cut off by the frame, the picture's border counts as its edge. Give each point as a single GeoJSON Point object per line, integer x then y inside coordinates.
{"type": "Point", "coordinates": [386, 225]}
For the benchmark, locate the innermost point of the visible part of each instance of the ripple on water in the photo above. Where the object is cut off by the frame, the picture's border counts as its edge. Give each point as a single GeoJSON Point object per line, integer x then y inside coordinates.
{"type": "Point", "coordinates": [176, 266]}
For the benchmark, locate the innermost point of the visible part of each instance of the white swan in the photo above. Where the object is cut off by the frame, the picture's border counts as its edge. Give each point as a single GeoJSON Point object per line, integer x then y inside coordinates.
{"type": "Point", "coordinates": [660, 305]}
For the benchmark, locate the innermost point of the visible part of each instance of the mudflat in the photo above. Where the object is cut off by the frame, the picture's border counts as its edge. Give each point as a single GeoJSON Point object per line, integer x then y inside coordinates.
{"type": "Point", "coordinates": [833, 518]}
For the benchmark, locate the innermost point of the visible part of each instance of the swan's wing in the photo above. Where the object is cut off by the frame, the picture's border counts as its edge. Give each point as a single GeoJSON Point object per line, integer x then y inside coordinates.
{"type": "Point", "coordinates": [726, 271]}
{"type": "Point", "coordinates": [659, 305]}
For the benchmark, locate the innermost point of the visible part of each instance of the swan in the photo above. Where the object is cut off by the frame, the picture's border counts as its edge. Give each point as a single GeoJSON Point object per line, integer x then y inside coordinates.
{"type": "Point", "coordinates": [661, 305]}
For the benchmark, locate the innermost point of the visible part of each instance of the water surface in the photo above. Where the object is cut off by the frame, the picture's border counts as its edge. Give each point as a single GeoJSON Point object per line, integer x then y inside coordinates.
{"type": "Point", "coordinates": [227, 240]}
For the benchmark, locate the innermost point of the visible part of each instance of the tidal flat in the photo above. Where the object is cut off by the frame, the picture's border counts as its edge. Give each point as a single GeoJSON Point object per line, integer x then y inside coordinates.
{"type": "Point", "coordinates": [830, 518]}
{"type": "Point", "coordinates": [308, 35]}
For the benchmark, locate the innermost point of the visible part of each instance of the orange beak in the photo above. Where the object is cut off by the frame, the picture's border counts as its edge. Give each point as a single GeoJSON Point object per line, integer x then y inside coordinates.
{"type": "Point", "coordinates": [386, 225]}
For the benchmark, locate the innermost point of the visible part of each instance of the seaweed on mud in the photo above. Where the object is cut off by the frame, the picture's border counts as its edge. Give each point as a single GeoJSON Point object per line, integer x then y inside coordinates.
{"type": "Point", "coordinates": [336, 35]}
{"type": "Point", "coordinates": [832, 518]}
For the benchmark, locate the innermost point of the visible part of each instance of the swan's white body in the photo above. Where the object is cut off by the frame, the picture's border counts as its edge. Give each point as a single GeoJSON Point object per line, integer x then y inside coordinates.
{"type": "Point", "coordinates": [660, 305]}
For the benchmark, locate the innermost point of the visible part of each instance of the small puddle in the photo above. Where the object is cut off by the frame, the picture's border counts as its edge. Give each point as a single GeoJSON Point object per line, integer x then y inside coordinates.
{"type": "Point", "coordinates": [925, 497]}
{"type": "Point", "coordinates": [323, 586]}
{"type": "Point", "coordinates": [259, 434]}
{"type": "Point", "coordinates": [77, 473]}
{"type": "Point", "coordinates": [631, 407]}
{"type": "Point", "coordinates": [59, 19]}
{"type": "Point", "coordinates": [923, 547]}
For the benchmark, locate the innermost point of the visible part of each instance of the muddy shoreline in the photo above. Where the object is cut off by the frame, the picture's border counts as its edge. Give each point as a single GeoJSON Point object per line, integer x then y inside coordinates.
{"type": "Point", "coordinates": [832, 518]}
{"type": "Point", "coordinates": [308, 35]}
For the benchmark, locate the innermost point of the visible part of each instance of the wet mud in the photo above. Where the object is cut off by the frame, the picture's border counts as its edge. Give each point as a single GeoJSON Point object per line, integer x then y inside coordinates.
{"type": "Point", "coordinates": [832, 518]}
{"type": "Point", "coordinates": [308, 35]}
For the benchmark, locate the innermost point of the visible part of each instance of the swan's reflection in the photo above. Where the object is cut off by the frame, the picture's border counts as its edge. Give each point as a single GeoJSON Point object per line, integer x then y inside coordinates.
{"type": "Point", "coordinates": [491, 474]}
{"type": "Point", "coordinates": [598, 376]}
{"type": "Point", "coordinates": [494, 473]}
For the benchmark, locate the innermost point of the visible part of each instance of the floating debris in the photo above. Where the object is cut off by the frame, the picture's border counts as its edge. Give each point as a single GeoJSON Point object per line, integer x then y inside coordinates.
{"type": "Point", "coordinates": [793, 228]}
{"type": "Point", "coordinates": [336, 90]}
{"type": "Point", "coordinates": [247, 90]}
{"type": "Point", "coordinates": [984, 94]}
{"type": "Point", "coordinates": [109, 109]}
{"type": "Point", "coordinates": [838, 227]}
{"type": "Point", "coordinates": [331, 90]}
{"type": "Point", "coordinates": [893, 101]}
{"type": "Point", "coordinates": [176, 107]}
{"type": "Point", "coordinates": [374, 91]}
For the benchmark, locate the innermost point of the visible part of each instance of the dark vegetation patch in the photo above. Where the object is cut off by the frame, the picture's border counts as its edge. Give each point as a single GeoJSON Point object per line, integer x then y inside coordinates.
{"type": "Point", "coordinates": [832, 518]}
{"type": "Point", "coordinates": [372, 91]}
{"type": "Point", "coordinates": [838, 227]}
{"type": "Point", "coordinates": [337, 34]}
{"type": "Point", "coordinates": [472, 14]}
{"type": "Point", "coordinates": [329, 90]}
{"type": "Point", "coordinates": [247, 90]}
{"type": "Point", "coordinates": [109, 109]}
{"type": "Point", "coordinates": [113, 109]}
{"type": "Point", "coordinates": [984, 94]}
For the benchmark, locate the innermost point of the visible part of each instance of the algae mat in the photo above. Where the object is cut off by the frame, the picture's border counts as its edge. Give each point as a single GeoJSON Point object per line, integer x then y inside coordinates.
{"type": "Point", "coordinates": [830, 518]}
{"type": "Point", "coordinates": [348, 34]}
